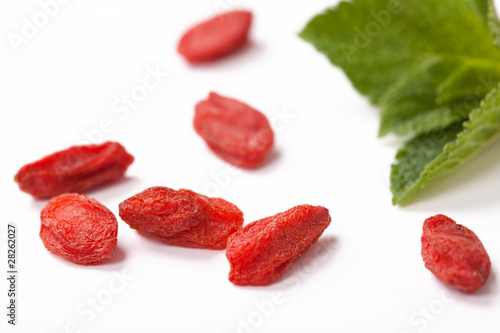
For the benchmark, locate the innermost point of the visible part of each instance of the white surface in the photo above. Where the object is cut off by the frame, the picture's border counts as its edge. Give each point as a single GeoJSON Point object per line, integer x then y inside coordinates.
{"type": "Point", "coordinates": [365, 274]}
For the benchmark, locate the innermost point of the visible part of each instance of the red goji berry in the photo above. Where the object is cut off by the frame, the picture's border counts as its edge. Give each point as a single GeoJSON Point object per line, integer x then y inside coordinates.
{"type": "Point", "coordinates": [234, 131]}
{"type": "Point", "coordinates": [76, 169]}
{"type": "Point", "coordinates": [454, 253]}
{"type": "Point", "coordinates": [263, 250]}
{"type": "Point", "coordinates": [182, 218]}
{"type": "Point", "coordinates": [216, 37]}
{"type": "Point", "coordinates": [79, 229]}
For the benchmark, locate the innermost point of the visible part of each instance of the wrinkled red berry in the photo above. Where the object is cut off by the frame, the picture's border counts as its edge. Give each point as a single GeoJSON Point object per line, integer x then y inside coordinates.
{"type": "Point", "coordinates": [263, 250]}
{"type": "Point", "coordinates": [182, 217]}
{"type": "Point", "coordinates": [216, 37]}
{"type": "Point", "coordinates": [79, 229]}
{"type": "Point", "coordinates": [234, 131]}
{"type": "Point", "coordinates": [454, 253]}
{"type": "Point", "coordinates": [76, 169]}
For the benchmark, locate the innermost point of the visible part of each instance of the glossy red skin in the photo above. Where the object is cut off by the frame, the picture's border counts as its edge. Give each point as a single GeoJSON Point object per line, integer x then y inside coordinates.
{"type": "Point", "coordinates": [79, 229]}
{"type": "Point", "coordinates": [182, 218]}
{"type": "Point", "coordinates": [234, 131]}
{"type": "Point", "coordinates": [263, 250]}
{"type": "Point", "coordinates": [454, 254]}
{"type": "Point", "coordinates": [76, 169]}
{"type": "Point", "coordinates": [216, 37]}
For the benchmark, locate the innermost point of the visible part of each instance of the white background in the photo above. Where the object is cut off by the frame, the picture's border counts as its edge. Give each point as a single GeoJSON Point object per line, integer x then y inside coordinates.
{"type": "Point", "coordinates": [366, 272]}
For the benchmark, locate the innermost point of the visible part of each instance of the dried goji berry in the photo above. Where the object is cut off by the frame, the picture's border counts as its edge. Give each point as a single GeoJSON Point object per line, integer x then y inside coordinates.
{"type": "Point", "coordinates": [76, 169]}
{"type": "Point", "coordinates": [454, 253]}
{"type": "Point", "coordinates": [263, 250]}
{"type": "Point", "coordinates": [79, 229]}
{"type": "Point", "coordinates": [182, 217]}
{"type": "Point", "coordinates": [216, 37]}
{"type": "Point", "coordinates": [234, 131]}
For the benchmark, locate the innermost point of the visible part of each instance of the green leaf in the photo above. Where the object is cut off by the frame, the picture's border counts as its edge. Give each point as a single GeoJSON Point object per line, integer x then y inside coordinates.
{"type": "Point", "coordinates": [414, 156]}
{"type": "Point", "coordinates": [430, 157]}
{"type": "Point", "coordinates": [470, 81]}
{"type": "Point", "coordinates": [435, 96]}
{"type": "Point", "coordinates": [412, 104]}
{"type": "Point", "coordinates": [379, 42]}
{"type": "Point", "coordinates": [403, 54]}
{"type": "Point", "coordinates": [493, 22]}
{"type": "Point", "coordinates": [427, 64]}
{"type": "Point", "coordinates": [488, 12]}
